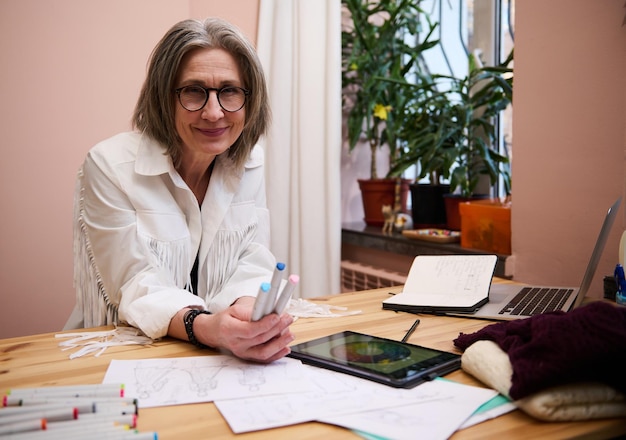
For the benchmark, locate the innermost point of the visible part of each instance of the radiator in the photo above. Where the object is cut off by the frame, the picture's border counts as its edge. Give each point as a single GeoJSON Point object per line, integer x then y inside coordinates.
{"type": "Point", "coordinates": [357, 276]}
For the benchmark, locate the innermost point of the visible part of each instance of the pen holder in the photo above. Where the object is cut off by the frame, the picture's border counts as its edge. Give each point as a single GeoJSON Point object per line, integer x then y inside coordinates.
{"type": "Point", "coordinates": [620, 281]}
{"type": "Point", "coordinates": [611, 292]}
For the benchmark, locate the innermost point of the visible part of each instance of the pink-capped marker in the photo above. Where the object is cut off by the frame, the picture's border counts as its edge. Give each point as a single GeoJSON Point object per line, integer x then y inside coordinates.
{"type": "Point", "coordinates": [285, 295]}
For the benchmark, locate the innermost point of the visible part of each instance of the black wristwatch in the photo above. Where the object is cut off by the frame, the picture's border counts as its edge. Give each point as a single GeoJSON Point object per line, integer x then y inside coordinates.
{"type": "Point", "coordinates": [190, 316]}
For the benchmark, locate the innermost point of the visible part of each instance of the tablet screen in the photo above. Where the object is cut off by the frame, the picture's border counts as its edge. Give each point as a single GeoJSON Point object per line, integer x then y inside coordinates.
{"type": "Point", "coordinates": [391, 362]}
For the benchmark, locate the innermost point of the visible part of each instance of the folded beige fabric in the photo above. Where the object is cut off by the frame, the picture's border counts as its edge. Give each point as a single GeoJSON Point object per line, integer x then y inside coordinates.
{"type": "Point", "coordinates": [580, 401]}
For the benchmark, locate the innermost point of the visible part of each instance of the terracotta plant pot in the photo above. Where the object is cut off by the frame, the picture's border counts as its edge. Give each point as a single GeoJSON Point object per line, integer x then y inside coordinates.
{"type": "Point", "coordinates": [378, 192]}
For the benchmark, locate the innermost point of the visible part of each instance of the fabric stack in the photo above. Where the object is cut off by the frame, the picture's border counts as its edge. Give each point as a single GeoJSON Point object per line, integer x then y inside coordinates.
{"type": "Point", "coordinates": [555, 366]}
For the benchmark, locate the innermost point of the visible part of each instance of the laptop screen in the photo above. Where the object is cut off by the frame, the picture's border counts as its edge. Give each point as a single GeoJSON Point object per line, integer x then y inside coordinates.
{"type": "Point", "coordinates": [597, 251]}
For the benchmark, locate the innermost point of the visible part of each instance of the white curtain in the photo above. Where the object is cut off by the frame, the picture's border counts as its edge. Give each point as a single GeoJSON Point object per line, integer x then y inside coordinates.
{"type": "Point", "coordinates": [299, 43]}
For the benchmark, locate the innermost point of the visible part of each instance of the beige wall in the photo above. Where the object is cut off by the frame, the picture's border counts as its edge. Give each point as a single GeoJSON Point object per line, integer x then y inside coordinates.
{"type": "Point", "coordinates": [71, 71]}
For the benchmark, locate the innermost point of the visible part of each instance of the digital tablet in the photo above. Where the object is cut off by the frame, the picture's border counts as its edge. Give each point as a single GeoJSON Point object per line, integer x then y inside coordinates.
{"type": "Point", "coordinates": [389, 362]}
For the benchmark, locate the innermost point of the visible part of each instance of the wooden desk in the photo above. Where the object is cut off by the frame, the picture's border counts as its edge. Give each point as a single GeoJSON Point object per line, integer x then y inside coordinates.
{"type": "Point", "coordinates": [37, 360]}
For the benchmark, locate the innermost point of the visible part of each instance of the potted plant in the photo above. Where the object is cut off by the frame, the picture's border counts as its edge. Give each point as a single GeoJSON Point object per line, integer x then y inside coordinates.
{"type": "Point", "coordinates": [428, 145]}
{"type": "Point", "coordinates": [450, 130]}
{"type": "Point", "coordinates": [482, 95]}
{"type": "Point", "coordinates": [477, 100]}
{"type": "Point", "coordinates": [379, 47]}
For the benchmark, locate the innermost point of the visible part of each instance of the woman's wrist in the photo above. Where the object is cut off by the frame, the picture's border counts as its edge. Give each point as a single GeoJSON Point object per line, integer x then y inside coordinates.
{"type": "Point", "coordinates": [188, 320]}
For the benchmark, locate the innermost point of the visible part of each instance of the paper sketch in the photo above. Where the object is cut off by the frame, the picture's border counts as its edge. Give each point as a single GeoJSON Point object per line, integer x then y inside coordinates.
{"type": "Point", "coordinates": [176, 381]}
{"type": "Point", "coordinates": [337, 395]}
{"type": "Point", "coordinates": [433, 420]}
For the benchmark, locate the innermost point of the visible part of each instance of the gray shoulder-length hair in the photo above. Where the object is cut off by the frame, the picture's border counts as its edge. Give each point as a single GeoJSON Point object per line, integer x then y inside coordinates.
{"type": "Point", "coordinates": [154, 112]}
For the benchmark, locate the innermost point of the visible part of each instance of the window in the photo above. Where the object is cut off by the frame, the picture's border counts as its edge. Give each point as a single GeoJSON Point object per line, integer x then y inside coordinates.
{"type": "Point", "coordinates": [484, 27]}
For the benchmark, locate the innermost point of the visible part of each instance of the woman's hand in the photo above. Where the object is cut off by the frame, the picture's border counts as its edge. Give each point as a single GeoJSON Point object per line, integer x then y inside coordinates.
{"type": "Point", "coordinates": [265, 340]}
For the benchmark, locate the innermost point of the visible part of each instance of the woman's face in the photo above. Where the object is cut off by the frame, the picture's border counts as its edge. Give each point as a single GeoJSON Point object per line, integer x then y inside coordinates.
{"type": "Point", "coordinates": [212, 130]}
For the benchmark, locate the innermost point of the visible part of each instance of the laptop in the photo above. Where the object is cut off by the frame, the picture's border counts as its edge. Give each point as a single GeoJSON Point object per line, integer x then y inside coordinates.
{"type": "Point", "coordinates": [516, 301]}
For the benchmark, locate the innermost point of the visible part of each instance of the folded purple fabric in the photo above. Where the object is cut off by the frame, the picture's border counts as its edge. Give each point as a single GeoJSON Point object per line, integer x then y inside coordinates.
{"type": "Point", "coordinates": [585, 344]}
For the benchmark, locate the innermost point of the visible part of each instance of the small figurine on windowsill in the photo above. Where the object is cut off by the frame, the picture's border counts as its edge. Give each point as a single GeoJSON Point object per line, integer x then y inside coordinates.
{"type": "Point", "coordinates": [389, 214]}
{"type": "Point", "coordinates": [395, 220]}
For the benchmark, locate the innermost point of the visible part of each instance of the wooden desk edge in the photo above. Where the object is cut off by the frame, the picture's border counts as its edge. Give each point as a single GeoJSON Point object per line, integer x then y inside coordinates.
{"type": "Point", "coordinates": [37, 360]}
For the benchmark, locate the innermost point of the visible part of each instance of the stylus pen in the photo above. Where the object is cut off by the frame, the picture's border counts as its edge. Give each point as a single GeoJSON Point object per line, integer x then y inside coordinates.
{"type": "Point", "coordinates": [411, 330]}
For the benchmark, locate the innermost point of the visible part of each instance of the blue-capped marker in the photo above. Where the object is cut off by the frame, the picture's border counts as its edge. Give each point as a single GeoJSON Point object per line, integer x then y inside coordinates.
{"type": "Point", "coordinates": [620, 280]}
{"type": "Point", "coordinates": [277, 278]}
{"type": "Point", "coordinates": [258, 310]}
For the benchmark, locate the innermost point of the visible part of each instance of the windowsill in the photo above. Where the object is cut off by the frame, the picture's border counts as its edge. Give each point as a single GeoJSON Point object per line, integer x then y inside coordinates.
{"type": "Point", "coordinates": [371, 237]}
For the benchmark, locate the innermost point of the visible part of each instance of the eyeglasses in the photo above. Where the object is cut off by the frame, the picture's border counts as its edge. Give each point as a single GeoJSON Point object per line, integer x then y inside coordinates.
{"type": "Point", "coordinates": [194, 98]}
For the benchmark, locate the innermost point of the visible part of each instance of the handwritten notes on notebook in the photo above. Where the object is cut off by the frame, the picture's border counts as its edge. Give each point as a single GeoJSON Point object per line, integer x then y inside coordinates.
{"type": "Point", "coordinates": [445, 283]}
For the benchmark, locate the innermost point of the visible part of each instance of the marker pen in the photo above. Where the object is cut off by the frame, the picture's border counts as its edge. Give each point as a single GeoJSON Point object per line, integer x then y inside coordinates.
{"type": "Point", "coordinates": [285, 295]}
{"type": "Point", "coordinates": [39, 411]}
{"type": "Point", "coordinates": [51, 414]}
{"type": "Point", "coordinates": [92, 419]}
{"type": "Point", "coordinates": [101, 432]}
{"type": "Point", "coordinates": [22, 426]}
{"type": "Point", "coordinates": [259, 304]}
{"type": "Point", "coordinates": [95, 390]}
{"type": "Point", "coordinates": [276, 280]}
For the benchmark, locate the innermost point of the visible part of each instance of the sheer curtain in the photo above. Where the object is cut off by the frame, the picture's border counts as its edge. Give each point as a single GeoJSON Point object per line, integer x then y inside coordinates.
{"type": "Point", "coordinates": [299, 43]}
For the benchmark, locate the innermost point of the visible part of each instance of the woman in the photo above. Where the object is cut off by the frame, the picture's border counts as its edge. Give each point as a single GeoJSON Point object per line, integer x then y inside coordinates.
{"type": "Point", "coordinates": [171, 218]}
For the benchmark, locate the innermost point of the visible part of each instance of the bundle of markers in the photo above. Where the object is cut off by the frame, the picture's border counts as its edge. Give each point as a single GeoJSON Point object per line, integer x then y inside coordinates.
{"type": "Point", "coordinates": [268, 299]}
{"type": "Point", "coordinates": [70, 412]}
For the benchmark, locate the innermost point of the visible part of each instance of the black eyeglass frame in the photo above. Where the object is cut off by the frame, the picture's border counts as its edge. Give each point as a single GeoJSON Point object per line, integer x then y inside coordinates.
{"type": "Point", "coordinates": [207, 91]}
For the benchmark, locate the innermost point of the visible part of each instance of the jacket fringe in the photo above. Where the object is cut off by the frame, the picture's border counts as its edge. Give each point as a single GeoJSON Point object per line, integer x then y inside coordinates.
{"type": "Point", "coordinates": [172, 257]}
{"type": "Point", "coordinates": [227, 249]}
{"type": "Point", "coordinates": [91, 298]}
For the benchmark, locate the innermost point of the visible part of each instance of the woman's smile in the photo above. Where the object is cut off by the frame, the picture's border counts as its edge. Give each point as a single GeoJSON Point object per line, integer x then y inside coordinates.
{"type": "Point", "coordinates": [213, 132]}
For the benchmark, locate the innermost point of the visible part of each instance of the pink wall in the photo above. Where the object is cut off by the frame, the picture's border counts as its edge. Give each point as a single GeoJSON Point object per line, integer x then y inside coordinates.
{"type": "Point", "coordinates": [568, 130]}
{"type": "Point", "coordinates": [71, 72]}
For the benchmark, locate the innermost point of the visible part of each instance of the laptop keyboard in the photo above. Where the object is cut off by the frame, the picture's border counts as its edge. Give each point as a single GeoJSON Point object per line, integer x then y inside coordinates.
{"type": "Point", "coordinates": [535, 300]}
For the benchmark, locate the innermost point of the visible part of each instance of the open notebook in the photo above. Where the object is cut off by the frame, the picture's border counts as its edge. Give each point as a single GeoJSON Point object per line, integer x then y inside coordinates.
{"type": "Point", "coordinates": [515, 301]}
{"type": "Point", "coordinates": [443, 284]}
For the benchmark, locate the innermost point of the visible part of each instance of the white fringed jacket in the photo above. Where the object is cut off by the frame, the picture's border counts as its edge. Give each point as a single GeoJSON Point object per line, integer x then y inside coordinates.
{"type": "Point", "coordinates": [138, 229]}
